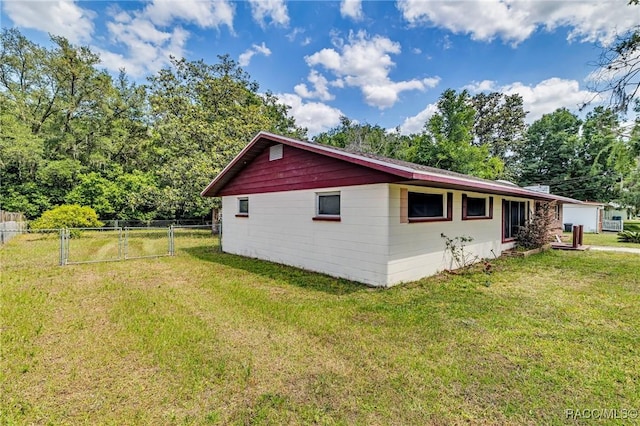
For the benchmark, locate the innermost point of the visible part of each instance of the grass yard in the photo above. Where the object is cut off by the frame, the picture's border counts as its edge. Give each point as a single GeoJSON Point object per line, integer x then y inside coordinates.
{"type": "Point", "coordinates": [632, 225]}
{"type": "Point", "coordinates": [210, 338]}
{"type": "Point", "coordinates": [603, 239]}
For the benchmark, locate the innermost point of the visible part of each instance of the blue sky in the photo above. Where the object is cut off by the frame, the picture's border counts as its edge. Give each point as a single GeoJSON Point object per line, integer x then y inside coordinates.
{"type": "Point", "coordinates": [380, 62]}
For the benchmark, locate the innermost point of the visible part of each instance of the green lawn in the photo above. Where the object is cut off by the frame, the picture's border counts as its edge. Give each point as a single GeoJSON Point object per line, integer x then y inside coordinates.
{"type": "Point", "coordinates": [210, 338]}
{"type": "Point", "coordinates": [603, 239]}
{"type": "Point", "coordinates": [632, 225]}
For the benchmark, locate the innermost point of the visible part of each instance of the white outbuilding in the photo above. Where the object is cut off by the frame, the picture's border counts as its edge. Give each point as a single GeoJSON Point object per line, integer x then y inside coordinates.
{"type": "Point", "coordinates": [588, 214]}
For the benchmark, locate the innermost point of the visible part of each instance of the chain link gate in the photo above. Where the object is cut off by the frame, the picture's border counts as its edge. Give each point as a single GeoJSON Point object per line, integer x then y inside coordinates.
{"type": "Point", "coordinates": [93, 245]}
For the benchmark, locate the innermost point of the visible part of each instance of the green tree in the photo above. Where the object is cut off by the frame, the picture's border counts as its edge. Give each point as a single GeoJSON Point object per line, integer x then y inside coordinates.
{"type": "Point", "coordinates": [21, 152]}
{"type": "Point", "coordinates": [607, 157]}
{"type": "Point", "coordinates": [203, 116]}
{"type": "Point", "coordinates": [448, 140]}
{"type": "Point", "coordinates": [584, 160]}
{"type": "Point", "coordinates": [630, 193]}
{"type": "Point", "coordinates": [366, 138]}
{"type": "Point", "coordinates": [551, 153]}
{"type": "Point", "coordinates": [499, 124]}
{"type": "Point", "coordinates": [62, 117]}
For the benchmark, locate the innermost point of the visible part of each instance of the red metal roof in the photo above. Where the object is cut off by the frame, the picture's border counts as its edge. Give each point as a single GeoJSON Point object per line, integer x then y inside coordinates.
{"type": "Point", "coordinates": [409, 173]}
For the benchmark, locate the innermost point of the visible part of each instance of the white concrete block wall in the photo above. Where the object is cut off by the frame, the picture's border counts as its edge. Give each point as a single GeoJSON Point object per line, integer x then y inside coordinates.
{"type": "Point", "coordinates": [280, 228]}
{"type": "Point", "coordinates": [369, 244]}
{"type": "Point", "coordinates": [417, 250]}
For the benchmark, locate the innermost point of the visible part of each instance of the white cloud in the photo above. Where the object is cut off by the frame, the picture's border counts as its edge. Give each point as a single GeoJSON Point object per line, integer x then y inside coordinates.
{"type": "Point", "coordinates": [542, 98]}
{"type": "Point", "coordinates": [61, 17]}
{"type": "Point", "coordinates": [320, 87]}
{"type": "Point", "coordinates": [549, 95]}
{"type": "Point", "coordinates": [245, 58]}
{"type": "Point", "coordinates": [351, 9]}
{"type": "Point", "coordinates": [515, 21]}
{"type": "Point", "coordinates": [148, 36]}
{"type": "Point", "coordinates": [386, 94]}
{"type": "Point", "coordinates": [481, 86]}
{"type": "Point", "coordinates": [365, 62]}
{"type": "Point", "coordinates": [416, 123]}
{"type": "Point", "coordinates": [147, 48]}
{"type": "Point", "coordinates": [276, 10]}
{"type": "Point", "coordinates": [205, 14]}
{"type": "Point", "coordinates": [315, 116]}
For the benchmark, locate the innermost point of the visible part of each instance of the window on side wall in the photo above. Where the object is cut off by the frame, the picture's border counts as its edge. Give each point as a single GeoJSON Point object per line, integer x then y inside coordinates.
{"type": "Point", "coordinates": [243, 207]}
{"type": "Point", "coordinates": [514, 216]}
{"type": "Point", "coordinates": [477, 207]}
{"type": "Point", "coordinates": [327, 206]}
{"type": "Point", "coordinates": [427, 207]}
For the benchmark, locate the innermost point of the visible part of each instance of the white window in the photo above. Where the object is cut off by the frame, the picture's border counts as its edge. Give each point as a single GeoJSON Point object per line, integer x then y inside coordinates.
{"type": "Point", "coordinates": [243, 206]}
{"type": "Point", "coordinates": [328, 204]}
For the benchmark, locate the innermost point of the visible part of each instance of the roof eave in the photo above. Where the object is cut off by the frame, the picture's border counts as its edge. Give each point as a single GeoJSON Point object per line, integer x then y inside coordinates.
{"type": "Point", "coordinates": [402, 172]}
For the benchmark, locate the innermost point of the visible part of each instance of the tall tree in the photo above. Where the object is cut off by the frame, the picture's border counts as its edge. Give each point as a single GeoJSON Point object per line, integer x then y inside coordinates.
{"type": "Point", "coordinates": [550, 154]}
{"type": "Point", "coordinates": [62, 118]}
{"type": "Point", "coordinates": [608, 158]}
{"type": "Point", "coordinates": [499, 124]}
{"type": "Point", "coordinates": [587, 161]}
{"type": "Point", "coordinates": [203, 116]}
{"type": "Point", "coordinates": [448, 140]}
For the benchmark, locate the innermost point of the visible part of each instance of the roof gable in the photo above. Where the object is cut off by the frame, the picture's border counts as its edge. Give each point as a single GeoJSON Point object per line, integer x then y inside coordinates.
{"type": "Point", "coordinates": [298, 169]}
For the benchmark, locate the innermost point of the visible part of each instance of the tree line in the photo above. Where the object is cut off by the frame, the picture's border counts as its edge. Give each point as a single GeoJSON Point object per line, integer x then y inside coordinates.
{"type": "Point", "coordinates": [70, 133]}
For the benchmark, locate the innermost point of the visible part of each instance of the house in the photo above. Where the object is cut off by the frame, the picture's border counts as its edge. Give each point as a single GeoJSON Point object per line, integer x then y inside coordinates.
{"type": "Point", "coordinates": [588, 214]}
{"type": "Point", "coordinates": [358, 216]}
{"type": "Point", "coordinates": [615, 211]}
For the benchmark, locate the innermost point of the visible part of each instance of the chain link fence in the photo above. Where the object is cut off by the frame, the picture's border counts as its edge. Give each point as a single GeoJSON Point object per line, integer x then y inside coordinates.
{"type": "Point", "coordinates": [71, 246]}
{"type": "Point", "coordinates": [91, 245]}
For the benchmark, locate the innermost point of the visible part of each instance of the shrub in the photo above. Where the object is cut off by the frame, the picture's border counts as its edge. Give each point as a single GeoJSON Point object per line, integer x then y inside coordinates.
{"type": "Point", "coordinates": [67, 216]}
{"type": "Point", "coordinates": [459, 258]}
{"type": "Point", "coordinates": [629, 237]}
{"type": "Point", "coordinates": [537, 232]}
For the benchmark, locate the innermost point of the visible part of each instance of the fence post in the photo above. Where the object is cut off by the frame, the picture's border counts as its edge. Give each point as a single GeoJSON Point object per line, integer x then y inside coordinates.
{"type": "Point", "coordinates": [171, 242]}
{"type": "Point", "coordinates": [64, 246]}
{"type": "Point", "coordinates": [126, 242]}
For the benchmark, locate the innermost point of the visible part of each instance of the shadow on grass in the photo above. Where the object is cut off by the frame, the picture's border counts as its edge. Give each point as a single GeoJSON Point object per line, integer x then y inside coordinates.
{"type": "Point", "coordinates": [288, 274]}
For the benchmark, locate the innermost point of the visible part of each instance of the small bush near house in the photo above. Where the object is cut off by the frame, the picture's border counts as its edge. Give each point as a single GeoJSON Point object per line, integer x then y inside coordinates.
{"type": "Point", "coordinates": [629, 237]}
{"type": "Point", "coordinates": [67, 216]}
{"type": "Point", "coordinates": [537, 232]}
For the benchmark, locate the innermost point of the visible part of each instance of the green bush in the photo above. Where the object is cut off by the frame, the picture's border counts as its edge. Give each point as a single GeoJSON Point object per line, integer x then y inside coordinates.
{"type": "Point", "coordinates": [67, 216]}
{"type": "Point", "coordinates": [629, 237]}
